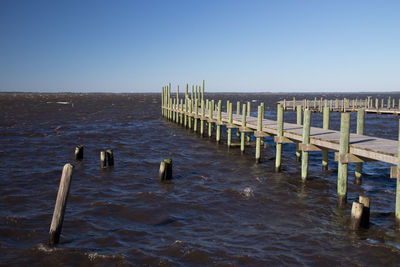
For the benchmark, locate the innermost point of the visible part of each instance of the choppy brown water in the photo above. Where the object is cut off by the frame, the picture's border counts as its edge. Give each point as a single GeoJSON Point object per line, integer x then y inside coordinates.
{"type": "Point", "coordinates": [220, 209]}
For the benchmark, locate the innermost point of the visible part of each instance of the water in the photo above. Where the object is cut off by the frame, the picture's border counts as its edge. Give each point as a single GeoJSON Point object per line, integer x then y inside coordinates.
{"type": "Point", "coordinates": [220, 209]}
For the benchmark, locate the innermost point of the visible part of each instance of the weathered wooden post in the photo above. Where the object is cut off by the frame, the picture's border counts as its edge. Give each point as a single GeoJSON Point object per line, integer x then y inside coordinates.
{"type": "Point", "coordinates": [79, 152]}
{"type": "Point", "coordinates": [185, 117]}
{"type": "Point", "coordinates": [165, 172]}
{"type": "Point", "coordinates": [219, 119]}
{"type": "Point", "coordinates": [110, 157]}
{"type": "Point", "coordinates": [190, 114]}
{"type": "Point", "coordinates": [360, 131]}
{"type": "Point", "coordinates": [162, 101]}
{"type": "Point", "coordinates": [242, 133]}
{"type": "Point", "coordinates": [397, 212]}
{"type": "Point", "coordinates": [230, 122]}
{"type": "Point", "coordinates": [238, 114]}
{"type": "Point", "coordinates": [181, 113]}
{"type": "Point", "coordinates": [102, 159]}
{"type": "Point", "coordinates": [306, 141]}
{"type": "Point", "coordinates": [259, 133]}
{"type": "Point", "coordinates": [203, 117]}
{"type": "Point", "coordinates": [389, 102]}
{"type": "Point", "coordinates": [299, 122]}
{"type": "Point", "coordinates": [356, 215]}
{"type": "Point", "coordinates": [177, 111]}
{"type": "Point", "coordinates": [279, 127]}
{"type": "Point", "coordinates": [196, 117]}
{"type": "Point", "coordinates": [210, 117]}
{"type": "Point", "coordinates": [173, 112]}
{"type": "Point", "coordinates": [187, 91]}
{"type": "Point", "coordinates": [365, 200]}
{"type": "Point", "coordinates": [248, 115]}
{"type": "Point", "coordinates": [61, 203]}
{"type": "Point", "coordinates": [343, 166]}
{"type": "Point", "coordinates": [325, 125]}
{"type": "Point", "coordinates": [202, 91]}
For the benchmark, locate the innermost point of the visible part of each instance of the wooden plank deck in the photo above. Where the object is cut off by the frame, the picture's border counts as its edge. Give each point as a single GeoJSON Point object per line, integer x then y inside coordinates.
{"type": "Point", "coordinates": [369, 147]}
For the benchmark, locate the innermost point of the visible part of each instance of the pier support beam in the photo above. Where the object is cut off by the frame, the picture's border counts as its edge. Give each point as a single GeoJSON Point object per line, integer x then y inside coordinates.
{"type": "Point", "coordinates": [230, 120]}
{"type": "Point", "coordinates": [343, 167]}
{"type": "Point", "coordinates": [360, 131]}
{"type": "Point", "coordinates": [260, 115]}
{"type": "Point", "coordinates": [325, 125]}
{"type": "Point", "coordinates": [210, 117]}
{"type": "Point", "coordinates": [306, 140]}
{"type": "Point", "coordinates": [196, 110]}
{"type": "Point", "coordinates": [219, 122]}
{"type": "Point", "coordinates": [248, 114]}
{"type": "Point", "coordinates": [242, 133]}
{"type": "Point", "coordinates": [203, 117]}
{"type": "Point", "coordinates": [278, 156]}
{"type": "Point", "coordinates": [397, 213]}
{"type": "Point", "coordinates": [238, 114]}
{"type": "Point", "coordinates": [299, 122]}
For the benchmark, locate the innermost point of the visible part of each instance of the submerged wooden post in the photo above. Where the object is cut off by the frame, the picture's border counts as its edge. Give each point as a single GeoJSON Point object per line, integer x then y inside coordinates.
{"type": "Point", "coordinates": [356, 215]}
{"type": "Point", "coordinates": [203, 116]}
{"type": "Point", "coordinates": [165, 172]}
{"type": "Point", "coordinates": [219, 118]}
{"type": "Point", "coordinates": [237, 113]}
{"type": "Point", "coordinates": [325, 125]}
{"type": "Point", "coordinates": [242, 134]}
{"type": "Point", "coordinates": [299, 122]}
{"type": "Point", "coordinates": [278, 156]}
{"type": "Point", "coordinates": [110, 157]}
{"type": "Point", "coordinates": [306, 141]}
{"type": "Point", "coordinates": [360, 131]}
{"type": "Point", "coordinates": [102, 159]}
{"type": "Point", "coordinates": [79, 152]}
{"type": "Point", "coordinates": [61, 203]}
{"type": "Point", "coordinates": [259, 131]}
{"type": "Point", "coordinates": [343, 150]}
{"type": "Point", "coordinates": [365, 200]}
{"type": "Point", "coordinates": [230, 122]}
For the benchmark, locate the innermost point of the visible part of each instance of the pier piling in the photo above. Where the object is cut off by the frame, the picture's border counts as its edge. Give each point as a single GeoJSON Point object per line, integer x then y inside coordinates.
{"type": "Point", "coordinates": [360, 131]}
{"type": "Point", "coordinates": [278, 156]}
{"type": "Point", "coordinates": [61, 203]}
{"type": "Point", "coordinates": [343, 166]}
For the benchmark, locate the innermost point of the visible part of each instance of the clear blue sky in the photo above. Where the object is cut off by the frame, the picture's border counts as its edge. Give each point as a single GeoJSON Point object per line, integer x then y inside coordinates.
{"type": "Point", "coordinates": [139, 46]}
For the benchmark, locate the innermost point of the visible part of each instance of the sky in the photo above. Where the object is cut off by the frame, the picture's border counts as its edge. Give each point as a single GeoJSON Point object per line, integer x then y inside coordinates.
{"type": "Point", "coordinates": [235, 46]}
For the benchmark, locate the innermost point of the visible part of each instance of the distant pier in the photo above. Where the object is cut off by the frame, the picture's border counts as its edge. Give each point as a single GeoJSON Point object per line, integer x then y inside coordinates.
{"type": "Point", "coordinates": [387, 105]}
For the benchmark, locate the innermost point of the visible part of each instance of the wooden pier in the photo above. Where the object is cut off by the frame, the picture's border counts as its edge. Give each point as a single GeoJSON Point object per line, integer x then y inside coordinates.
{"type": "Point", "coordinates": [387, 105]}
{"type": "Point", "coordinates": [348, 147]}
